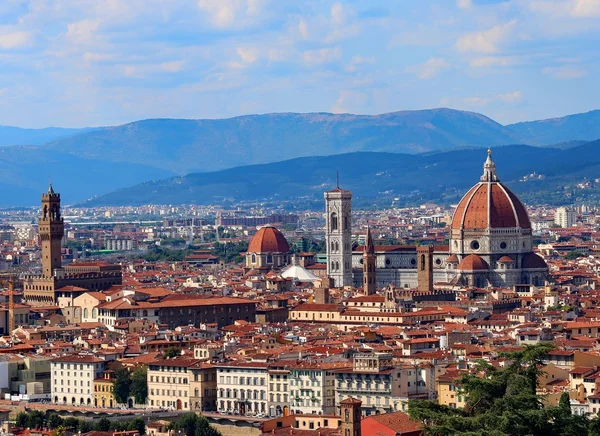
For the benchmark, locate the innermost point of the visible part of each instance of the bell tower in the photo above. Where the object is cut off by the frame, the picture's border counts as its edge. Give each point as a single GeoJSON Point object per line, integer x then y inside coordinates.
{"type": "Point", "coordinates": [350, 409]}
{"type": "Point", "coordinates": [338, 236]}
{"type": "Point", "coordinates": [425, 268]}
{"type": "Point", "coordinates": [369, 258]}
{"type": "Point", "coordinates": [51, 229]}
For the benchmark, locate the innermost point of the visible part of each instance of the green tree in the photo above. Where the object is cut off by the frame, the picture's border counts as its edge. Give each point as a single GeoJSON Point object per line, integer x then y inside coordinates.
{"type": "Point", "coordinates": [138, 424]}
{"type": "Point", "coordinates": [139, 384]}
{"type": "Point", "coordinates": [572, 255]}
{"type": "Point", "coordinates": [54, 421]}
{"type": "Point", "coordinates": [36, 419]}
{"type": "Point", "coordinates": [193, 425]}
{"type": "Point", "coordinates": [103, 424]}
{"type": "Point", "coordinates": [122, 385]}
{"type": "Point", "coordinates": [171, 352]}
{"type": "Point", "coordinates": [501, 402]}
{"type": "Point", "coordinates": [70, 423]}
{"type": "Point", "coordinates": [22, 419]}
{"type": "Point", "coordinates": [83, 426]}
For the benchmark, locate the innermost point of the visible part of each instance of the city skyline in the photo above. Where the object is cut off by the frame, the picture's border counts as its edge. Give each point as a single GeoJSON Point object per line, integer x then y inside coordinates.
{"type": "Point", "coordinates": [76, 64]}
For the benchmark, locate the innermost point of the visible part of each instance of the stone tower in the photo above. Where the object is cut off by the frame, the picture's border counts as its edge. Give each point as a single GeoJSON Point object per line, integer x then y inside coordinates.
{"type": "Point", "coordinates": [51, 230]}
{"type": "Point", "coordinates": [338, 236]}
{"type": "Point", "coordinates": [425, 268]}
{"type": "Point", "coordinates": [369, 275]}
{"type": "Point", "coordinates": [350, 411]}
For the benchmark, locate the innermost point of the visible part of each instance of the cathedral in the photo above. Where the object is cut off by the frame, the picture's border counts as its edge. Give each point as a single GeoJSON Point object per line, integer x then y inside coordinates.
{"type": "Point", "coordinates": [58, 285]}
{"type": "Point", "coordinates": [490, 245]}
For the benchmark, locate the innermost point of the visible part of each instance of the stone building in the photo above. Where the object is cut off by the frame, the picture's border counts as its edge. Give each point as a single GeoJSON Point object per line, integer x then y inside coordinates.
{"type": "Point", "coordinates": [490, 244]}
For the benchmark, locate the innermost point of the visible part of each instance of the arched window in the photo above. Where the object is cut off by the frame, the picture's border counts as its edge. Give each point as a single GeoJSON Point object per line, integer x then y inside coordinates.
{"type": "Point", "coordinates": [422, 262]}
{"type": "Point", "coordinates": [345, 223]}
{"type": "Point", "coordinates": [85, 312]}
{"type": "Point", "coordinates": [269, 258]}
{"type": "Point", "coordinates": [253, 258]}
{"type": "Point", "coordinates": [144, 312]}
{"type": "Point", "coordinates": [334, 221]}
{"type": "Point", "coordinates": [337, 246]}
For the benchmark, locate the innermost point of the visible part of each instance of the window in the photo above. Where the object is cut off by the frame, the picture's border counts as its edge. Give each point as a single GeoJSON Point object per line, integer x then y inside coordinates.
{"type": "Point", "coordinates": [334, 221]}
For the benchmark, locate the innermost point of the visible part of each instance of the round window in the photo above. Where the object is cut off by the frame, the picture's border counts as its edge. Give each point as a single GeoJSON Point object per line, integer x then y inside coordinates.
{"type": "Point", "coordinates": [475, 245]}
{"type": "Point", "coordinates": [387, 261]}
{"type": "Point", "coordinates": [503, 245]}
{"type": "Point", "coordinates": [438, 261]}
{"type": "Point", "coordinates": [413, 261]}
{"type": "Point", "coordinates": [361, 261]}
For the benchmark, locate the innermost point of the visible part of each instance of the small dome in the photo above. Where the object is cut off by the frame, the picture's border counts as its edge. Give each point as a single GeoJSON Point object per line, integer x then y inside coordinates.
{"type": "Point", "coordinates": [453, 258]}
{"type": "Point", "coordinates": [268, 240]}
{"type": "Point", "coordinates": [472, 262]}
{"type": "Point", "coordinates": [506, 259]}
{"type": "Point", "coordinates": [532, 260]}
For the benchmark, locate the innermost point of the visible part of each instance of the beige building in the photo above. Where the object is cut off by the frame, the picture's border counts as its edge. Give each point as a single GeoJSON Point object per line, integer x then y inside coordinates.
{"type": "Point", "coordinates": [88, 302]}
{"type": "Point", "coordinates": [169, 383]}
{"type": "Point", "coordinates": [203, 387]}
{"type": "Point", "coordinates": [73, 379]}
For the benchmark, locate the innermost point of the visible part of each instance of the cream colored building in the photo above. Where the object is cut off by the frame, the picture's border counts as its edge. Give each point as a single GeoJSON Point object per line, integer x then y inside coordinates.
{"type": "Point", "coordinates": [169, 383]}
{"type": "Point", "coordinates": [203, 387]}
{"type": "Point", "coordinates": [73, 379]}
{"type": "Point", "coordinates": [88, 302]}
{"type": "Point", "coordinates": [242, 387]}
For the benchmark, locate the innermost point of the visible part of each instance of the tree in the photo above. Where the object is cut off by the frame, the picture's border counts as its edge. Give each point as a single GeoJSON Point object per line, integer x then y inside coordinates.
{"type": "Point", "coordinates": [572, 255]}
{"type": "Point", "coordinates": [70, 423]}
{"type": "Point", "coordinates": [501, 402]}
{"type": "Point", "coordinates": [83, 426]}
{"type": "Point", "coordinates": [54, 421]}
{"type": "Point", "coordinates": [194, 425]}
{"type": "Point", "coordinates": [103, 424]}
{"type": "Point", "coordinates": [58, 431]}
{"type": "Point", "coordinates": [171, 352]}
{"type": "Point", "coordinates": [36, 419]}
{"type": "Point", "coordinates": [139, 384]}
{"type": "Point", "coordinates": [122, 385]}
{"type": "Point", "coordinates": [22, 419]}
{"type": "Point", "coordinates": [138, 424]}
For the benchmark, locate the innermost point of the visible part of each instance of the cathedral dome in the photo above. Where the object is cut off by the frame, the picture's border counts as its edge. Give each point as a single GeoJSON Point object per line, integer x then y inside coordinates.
{"type": "Point", "coordinates": [490, 204]}
{"type": "Point", "coordinates": [532, 260]}
{"type": "Point", "coordinates": [268, 240]}
{"type": "Point", "coordinates": [472, 262]}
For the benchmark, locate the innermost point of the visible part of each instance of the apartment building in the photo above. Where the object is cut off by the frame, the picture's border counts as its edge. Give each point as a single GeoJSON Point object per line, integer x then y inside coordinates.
{"type": "Point", "coordinates": [169, 383]}
{"type": "Point", "coordinates": [242, 388]}
{"type": "Point", "coordinates": [203, 387]}
{"type": "Point", "coordinates": [312, 386]}
{"type": "Point", "coordinates": [73, 378]}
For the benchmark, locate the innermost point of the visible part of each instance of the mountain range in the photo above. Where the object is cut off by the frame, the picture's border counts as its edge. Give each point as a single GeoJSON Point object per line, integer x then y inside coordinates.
{"type": "Point", "coordinates": [90, 162]}
{"type": "Point", "coordinates": [537, 173]}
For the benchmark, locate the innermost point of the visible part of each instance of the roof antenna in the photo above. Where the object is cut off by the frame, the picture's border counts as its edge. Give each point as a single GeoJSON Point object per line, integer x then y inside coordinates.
{"type": "Point", "coordinates": [337, 179]}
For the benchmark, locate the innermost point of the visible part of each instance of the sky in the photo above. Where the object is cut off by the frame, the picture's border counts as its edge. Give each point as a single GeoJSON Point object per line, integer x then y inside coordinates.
{"type": "Point", "coordinates": [76, 63]}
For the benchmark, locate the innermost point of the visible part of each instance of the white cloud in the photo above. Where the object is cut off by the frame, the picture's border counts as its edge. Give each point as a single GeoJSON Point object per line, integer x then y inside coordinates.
{"type": "Point", "coordinates": [509, 97]}
{"type": "Point", "coordinates": [565, 72]}
{"type": "Point", "coordinates": [348, 99]}
{"type": "Point", "coordinates": [303, 29]}
{"type": "Point", "coordinates": [464, 4]}
{"type": "Point", "coordinates": [431, 68]}
{"type": "Point", "coordinates": [338, 14]}
{"type": "Point", "coordinates": [322, 55]}
{"type": "Point", "coordinates": [96, 57]}
{"type": "Point", "coordinates": [231, 13]}
{"type": "Point", "coordinates": [358, 60]}
{"type": "Point", "coordinates": [248, 55]}
{"type": "Point", "coordinates": [494, 61]}
{"type": "Point", "coordinates": [15, 40]}
{"type": "Point", "coordinates": [562, 8]}
{"type": "Point", "coordinates": [82, 31]}
{"type": "Point", "coordinates": [172, 66]}
{"type": "Point", "coordinates": [487, 41]}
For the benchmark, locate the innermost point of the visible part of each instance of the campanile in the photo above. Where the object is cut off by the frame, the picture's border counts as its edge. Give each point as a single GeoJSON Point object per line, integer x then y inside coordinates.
{"type": "Point", "coordinates": [51, 229]}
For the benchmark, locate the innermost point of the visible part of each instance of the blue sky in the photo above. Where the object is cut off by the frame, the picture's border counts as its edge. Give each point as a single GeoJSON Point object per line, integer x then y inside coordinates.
{"type": "Point", "coordinates": [81, 63]}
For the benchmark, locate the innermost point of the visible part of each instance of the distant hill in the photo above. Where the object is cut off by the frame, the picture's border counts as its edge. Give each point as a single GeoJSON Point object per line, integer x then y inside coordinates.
{"type": "Point", "coordinates": [184, 146]}
{"type": "Point", "coordinates": [18, 136]}
{"type": "Point", "coordinates": [26, 170]}
{"type": "Point", "coordinates": [583, 127]}
{"type": "Point", "coordinates": [442, 176]}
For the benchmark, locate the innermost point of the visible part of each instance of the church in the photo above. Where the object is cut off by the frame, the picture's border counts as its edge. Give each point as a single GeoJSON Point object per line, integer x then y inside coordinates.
{"type": "Point", "coordinates": [490, 245]}
{"type": "Point", "coordinates": [58, 285]}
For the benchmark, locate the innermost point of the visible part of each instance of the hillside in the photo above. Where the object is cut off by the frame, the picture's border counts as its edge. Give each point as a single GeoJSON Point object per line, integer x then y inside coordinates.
{"type": "Point", "coordinates": [26, 170]}
{"type": "Point", "coordinates": [374, 176]}
{"type": "Point", "coordinates": [184, 146]}
{"type": "Point", "coordinates": [584, 127]}
{"type": "Point", "coordinates": [17, 136]}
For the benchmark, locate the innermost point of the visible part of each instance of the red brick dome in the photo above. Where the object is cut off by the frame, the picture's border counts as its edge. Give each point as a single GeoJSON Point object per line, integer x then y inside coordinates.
{"type": "Point", "coordinates": [490, 204]}
{"type": "Point", "coordinates": [532, 260]}
{"type": "Point", "coordinates": [268, 240]}
{"type": "Point", "coordinates": [472, 262]}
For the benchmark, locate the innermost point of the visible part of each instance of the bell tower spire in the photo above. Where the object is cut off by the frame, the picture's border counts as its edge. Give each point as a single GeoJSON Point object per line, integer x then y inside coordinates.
{"type": "Point", "coordinates": [369, 263]}
{"type": "Point", "coordinates": [489, 169]}
{"type": "Point", "coordinates": [51, 229]}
